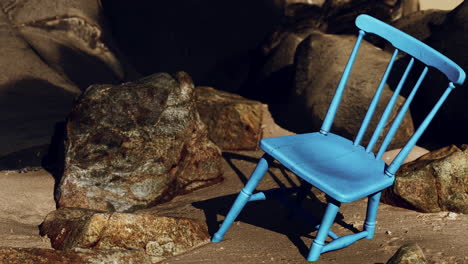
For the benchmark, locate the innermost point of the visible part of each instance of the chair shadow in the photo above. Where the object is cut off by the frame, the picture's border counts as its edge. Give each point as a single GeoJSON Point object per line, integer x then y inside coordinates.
{"type": "Point", "coordinates": [269, 214]}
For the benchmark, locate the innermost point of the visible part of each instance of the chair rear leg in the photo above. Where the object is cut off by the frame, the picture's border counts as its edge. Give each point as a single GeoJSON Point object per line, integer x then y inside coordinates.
{"type": "Point", "coordinates": [243, 197]}
{"type": "Point", "coordinates": [327, 221]}
{"type": "Point", "coordinates": [372, 207]}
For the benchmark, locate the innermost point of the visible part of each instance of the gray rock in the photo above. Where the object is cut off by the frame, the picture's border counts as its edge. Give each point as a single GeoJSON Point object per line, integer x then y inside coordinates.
{"type": "Point", "coordinates": [158, 236]}
{"type": "Point", "coordinates": [408, 254]}
{"type": "Point", "coordinates": [234, 123]}
{"type": "Point", "coordinates": [320, 60]}
{"type": "Point", "coordinates": [135, 145]}
{"type": "Point", "coordinates": [437, 181]}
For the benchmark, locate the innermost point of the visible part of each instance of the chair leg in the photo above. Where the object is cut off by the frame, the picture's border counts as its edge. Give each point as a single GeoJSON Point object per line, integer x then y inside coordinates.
{"type": "Point", "coordinates": [243, 197]}
{"type": "Point", "coordinates": [327, 222]}
{"type": "Point", "coordinates": [372, 207]}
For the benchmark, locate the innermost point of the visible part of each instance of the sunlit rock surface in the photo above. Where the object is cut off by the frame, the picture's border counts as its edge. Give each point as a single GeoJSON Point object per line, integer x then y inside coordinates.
{"type": "Point", "coordinates": [135, 145]}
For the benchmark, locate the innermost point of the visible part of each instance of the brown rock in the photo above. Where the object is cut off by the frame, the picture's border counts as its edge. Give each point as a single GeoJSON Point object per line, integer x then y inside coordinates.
{"type": "Point", "coordinates": [135, 145]}
{"type": "Point", "coordinates": [234, 123]}
{"type": "Point", "coordinates": [84, 256]}
{"type": "Point", "coordinates": [159, 236]}
{"type": "Point", "coordinates": [438, 181]}
{"type": "Point", "coordinates": [320, 60]}
{"type": "Point", "coordinates": [408, 254]}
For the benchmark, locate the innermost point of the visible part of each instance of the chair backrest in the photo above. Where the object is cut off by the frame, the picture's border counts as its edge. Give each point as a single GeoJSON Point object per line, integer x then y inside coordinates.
{"type": "Point", "coordinates": [417, 50]}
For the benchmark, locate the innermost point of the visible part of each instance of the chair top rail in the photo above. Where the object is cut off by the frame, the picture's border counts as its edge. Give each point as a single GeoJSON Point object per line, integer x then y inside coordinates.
{"type": "Point", "coordinates": [413, 47]}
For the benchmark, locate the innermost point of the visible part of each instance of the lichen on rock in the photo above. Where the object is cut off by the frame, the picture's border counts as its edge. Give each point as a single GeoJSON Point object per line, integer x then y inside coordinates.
{"type": "Point", "coordinates": [137, 144]}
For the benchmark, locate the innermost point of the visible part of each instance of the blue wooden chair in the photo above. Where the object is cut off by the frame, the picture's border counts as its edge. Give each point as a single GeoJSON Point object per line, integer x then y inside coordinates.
{"type": "Point", "coordinates": [341, 168]}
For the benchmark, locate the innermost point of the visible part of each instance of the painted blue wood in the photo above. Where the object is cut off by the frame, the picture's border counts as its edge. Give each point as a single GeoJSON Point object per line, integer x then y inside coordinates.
{"type": "Point", "coordinates": [375, 100]}
{"type": "Point", "coordinates": [243, 197]}
{"type": "Point", "coordinates": [324, 161]}
{"type": "Point", "coordinates": [327, 221]}
{"type": "Point", "coordinates": [330, 116]}
{"type": "Point", "coordinates": [401, 114]}
{"type": "Point", "coordinates": [371, 215]}
{"type": "Point", "coordinates": [413, 47]}
{"type": "Point", "coordinates": [344, 241]}
{"type": "Point", "coordinates": [388, 110]}
{"type": "Point", "coordinates": [396, 163]}
{"type": "Point", "coordinates": [343, 169]}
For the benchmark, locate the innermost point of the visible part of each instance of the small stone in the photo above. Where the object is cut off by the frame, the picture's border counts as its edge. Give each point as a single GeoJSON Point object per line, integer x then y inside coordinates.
{"type": "Point", "coordinates": [452, 216]}
{"type": "Point", "coordinates": [408, 254]}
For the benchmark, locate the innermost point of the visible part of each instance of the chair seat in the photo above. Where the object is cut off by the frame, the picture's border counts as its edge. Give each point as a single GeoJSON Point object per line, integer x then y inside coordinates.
{"type": "Point", "coordinates": [331, 163]}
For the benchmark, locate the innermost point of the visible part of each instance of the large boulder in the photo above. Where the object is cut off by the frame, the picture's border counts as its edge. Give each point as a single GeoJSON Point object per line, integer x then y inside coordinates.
{"type": "Point", "coordinates": [337, 16]}
{"type": "Point", "coordinates": [136, 144]}
{"type": "Point", "coordinates": [159, 236]}
{"type": "Point", "coordinates": [320, 60]}
{"type": "Point", "coordinates": [71, 36]}
{"type": "Point", "coordinates": [234, 123]}
{"type": "Point", "coordinates": [450, 125]}
{"type": "Point", "coordinates": [51, 50]}
{"type": "Point", "coordinates": [272, 73]}
{"type": "Point", "coordinates": [32, 95]}
{"type": "Point", "coordinates": [437, 181]}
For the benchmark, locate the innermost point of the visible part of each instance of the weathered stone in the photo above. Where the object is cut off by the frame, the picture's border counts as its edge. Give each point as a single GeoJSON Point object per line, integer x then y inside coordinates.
{"type": "Point", "coordinates": [437, 181]}
{"type": "Point", "coordinates": [50, 50]}
{"type": "Point", "coordinates": [32, 95]}
{"type": "Point", "coordinates": [234, 123]}
{"type": "Point", "coordinates": [159, 236]}
{"type": "Point", "coordinates": [320, 60]}
{"type": "Point", "coordinates": [450, 125]}
{"type": "Point", "coordinates": [135, 145]}
{"type": "Point", "coordinates": [408, 254]}
{"type": "Point", "coordinates": [84, 256]}
{"type": "Point", "coordinates": [337, 16]}
{"type": "Point", "coordinates": [70, 36]}
{"type": "Point", "coordinates": [420, 24]}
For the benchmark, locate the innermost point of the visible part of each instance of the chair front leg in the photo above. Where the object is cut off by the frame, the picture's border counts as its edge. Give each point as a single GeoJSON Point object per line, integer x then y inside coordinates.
{"type": "Point", "coordinates": [372, 207]}
{"type": "Point", "coordinates": [243, 196]}
{"type": "Point", "coordinates": [327, 222]}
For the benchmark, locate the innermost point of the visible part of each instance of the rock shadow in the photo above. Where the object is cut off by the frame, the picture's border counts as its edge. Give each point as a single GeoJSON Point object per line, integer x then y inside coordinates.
{"type": "Point", "coordinates": [30, 109]}
{"type": "Point", "coordinates": [273, 214]}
